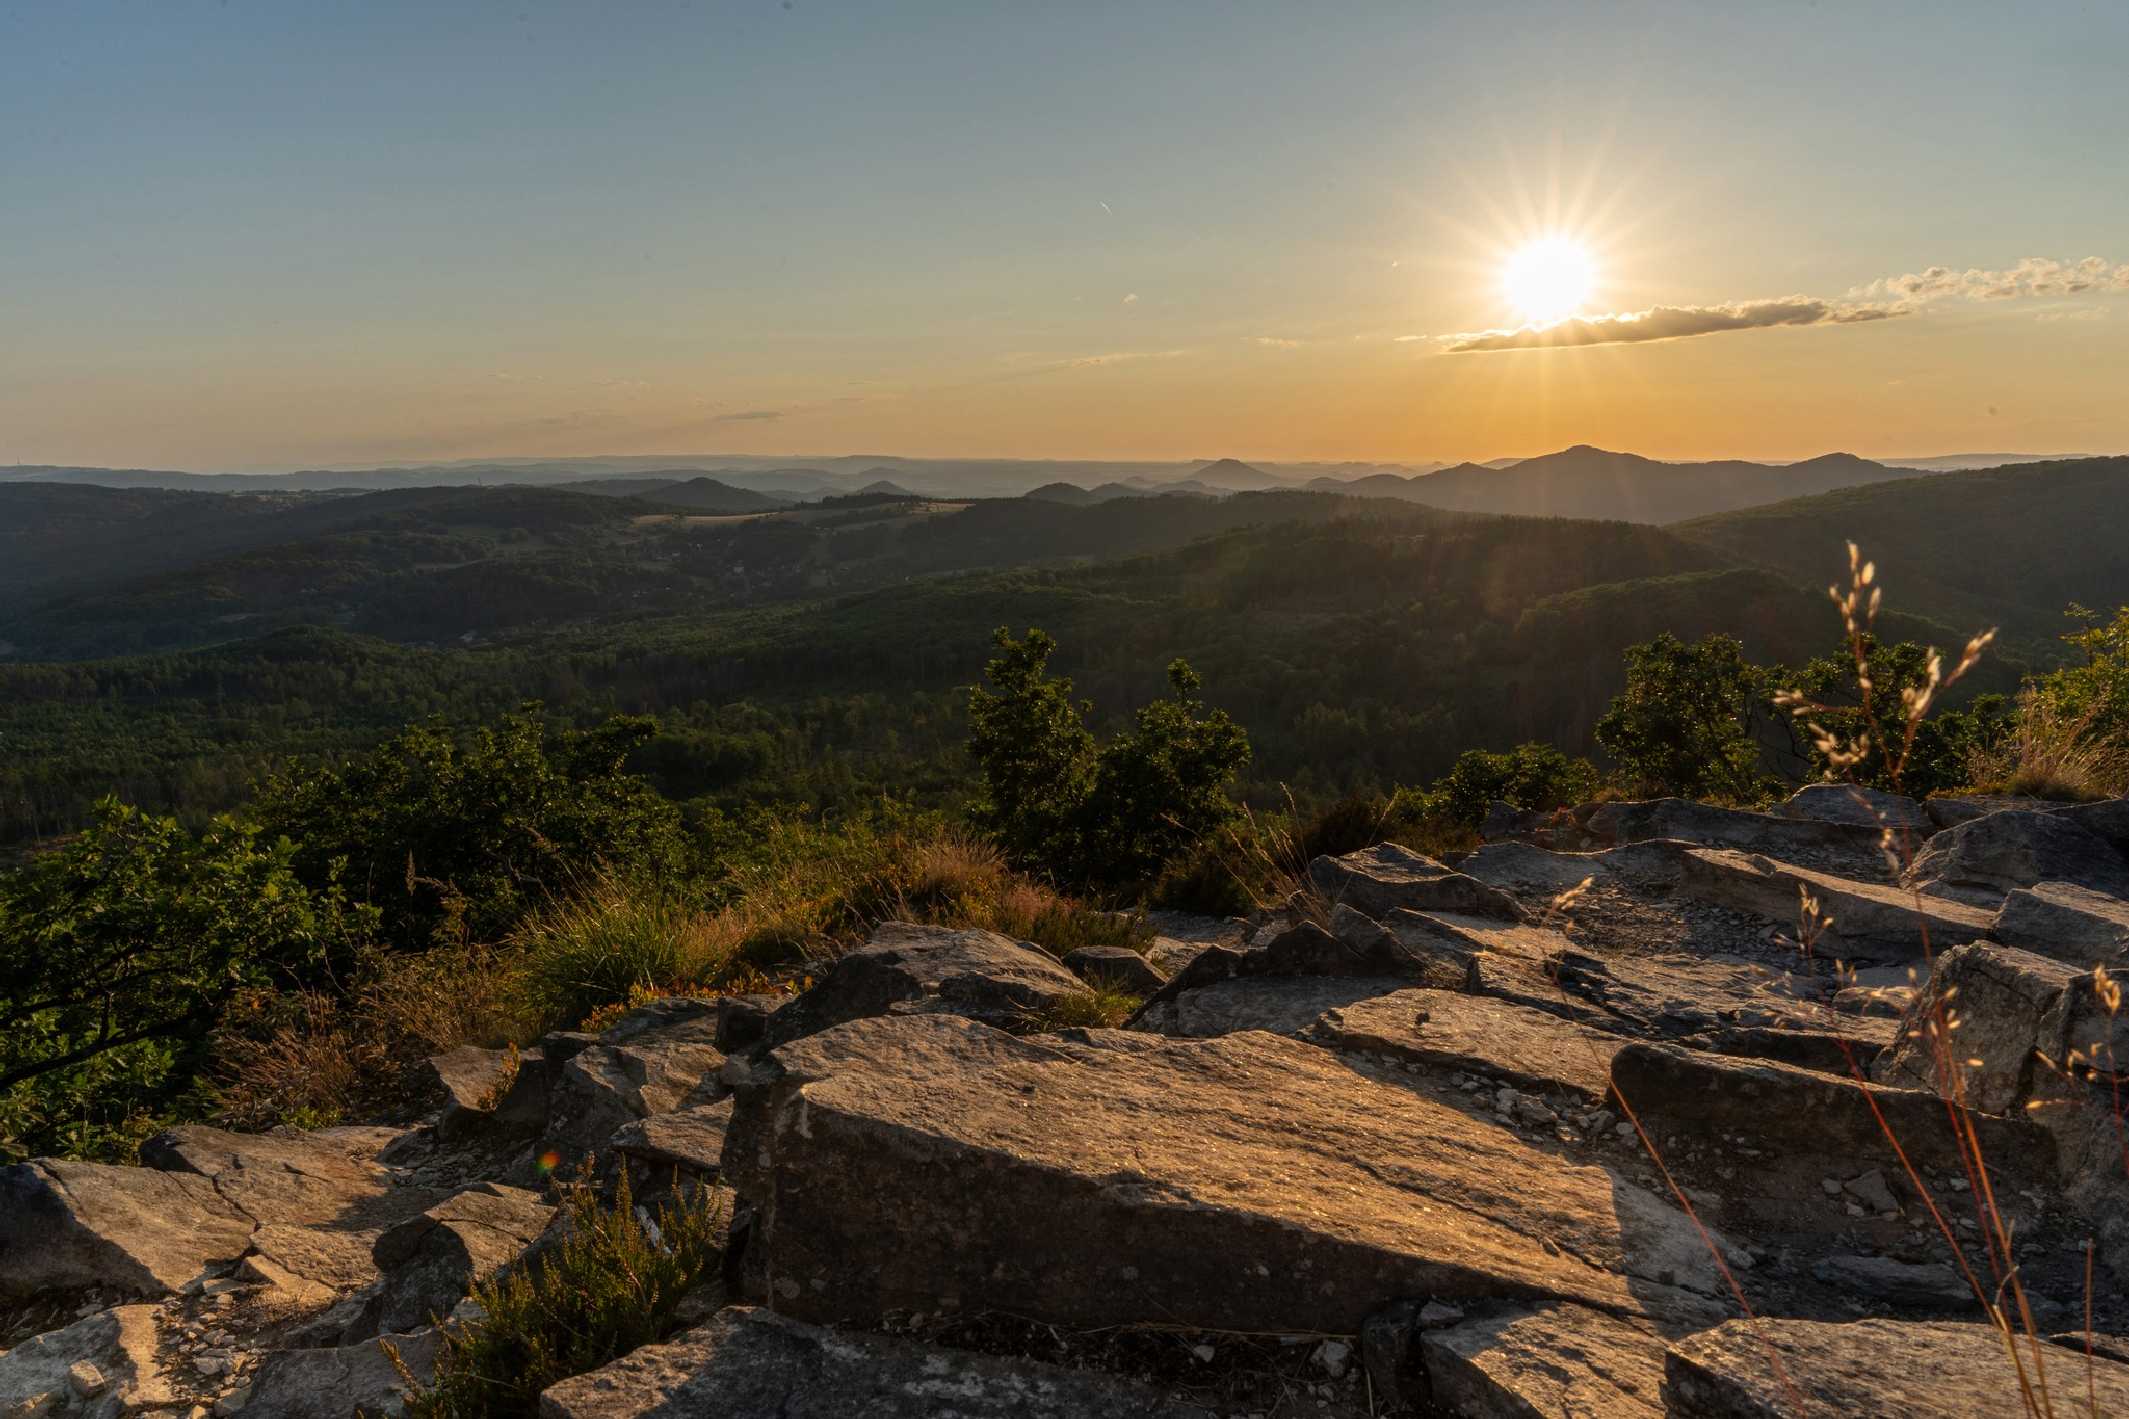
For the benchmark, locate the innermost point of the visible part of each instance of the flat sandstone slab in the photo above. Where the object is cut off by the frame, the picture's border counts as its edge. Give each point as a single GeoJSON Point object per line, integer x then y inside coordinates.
{"type": "Point", "coordinates": [1249, 1182]}
{"type": "Point", "coordinates": [1446, 1030]}
{"type": "Point", "coordinates": [1870, 1368]}
{"type": "Point", "coordinates": [746, 1363]}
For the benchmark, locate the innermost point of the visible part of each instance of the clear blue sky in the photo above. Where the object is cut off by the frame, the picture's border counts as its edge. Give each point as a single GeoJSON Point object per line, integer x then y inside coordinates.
{"type": "Point", "coordinates": [251, 234]}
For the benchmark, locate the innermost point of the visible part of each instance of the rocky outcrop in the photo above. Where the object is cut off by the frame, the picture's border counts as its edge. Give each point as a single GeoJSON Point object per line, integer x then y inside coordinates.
{"type": "Point", "coordinates": [1863, 807]}
{"type": "Point", "coordinates": [68, 1226]}
{"type": "Point", "coordinates": [1521, 1135]}
{"type": "Point", "coordinates": [1115, 967]}
{"type": "Point", "coordinates": [431, 1262]}
{"type": "Point", "coordinates": [1379, 880]}
{"type": "Point", "coordinates": [1527, 1049]}
{"type": "Point", "coordinates": [927, 969]}
{"type": "Point", "coordinates": [2070, 923]}
{"type": "Point", "coordinates": [1866, 920]}
{"type": "Point", "coordinates": [1988, 857]}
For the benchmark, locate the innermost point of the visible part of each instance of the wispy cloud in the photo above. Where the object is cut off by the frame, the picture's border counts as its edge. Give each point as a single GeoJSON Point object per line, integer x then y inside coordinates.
{"type": "Point", "coordinates": [1886, 299]}
{"type": "Point", "coordinates": [1131, 299]}
{"type": "Point", "coordinates": [1666, 322]}
{"type": "Point", "coordinates": [747, 416]}
{"type": "Point", "coordinates": [2034, 276]}
{"type": "Point", "coordinates": [1277, 342]}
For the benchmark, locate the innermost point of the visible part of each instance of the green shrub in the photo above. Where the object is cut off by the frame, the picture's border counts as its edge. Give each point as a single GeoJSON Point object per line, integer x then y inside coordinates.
{"type": "Point", "coordinates": [456, 837]}
{"type": "Point", "coordinates": [1684, 724]}
{"type": "Point", "coordinates": [1107, 815]}
{"type": "Point", "coordinates": [615, 1283]}
{"type": "Point", "coordinates": [122, 950]}
{"type": "Point", "coordinates": [1530, 776]}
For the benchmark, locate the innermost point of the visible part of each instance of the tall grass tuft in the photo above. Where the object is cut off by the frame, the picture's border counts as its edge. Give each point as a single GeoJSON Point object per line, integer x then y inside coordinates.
{"type": "Point", "coordinates": [2053, 753]}
{"type": "Point", "coordinates": [314, 1058]}
{"type": "Point", "coordinates": [614, 941]}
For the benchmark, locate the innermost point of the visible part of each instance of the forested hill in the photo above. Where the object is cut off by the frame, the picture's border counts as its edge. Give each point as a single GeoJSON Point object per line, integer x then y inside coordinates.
{"type": "Point", "coordinates": [105, 571]}
{"type": "Point", "coordinates": [1360, 651]}
{"type": "Point", "coordinates": [2002, 546]}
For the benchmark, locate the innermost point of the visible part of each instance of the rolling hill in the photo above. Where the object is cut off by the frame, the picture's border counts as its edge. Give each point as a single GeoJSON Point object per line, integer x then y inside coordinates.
{"type": "Point", "coordinates": [2001, 546]}
{"type": "Point", "coordinates": [1595, 483]}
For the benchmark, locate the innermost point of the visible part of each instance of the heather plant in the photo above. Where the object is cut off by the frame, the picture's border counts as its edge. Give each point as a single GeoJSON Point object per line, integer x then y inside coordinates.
{"type": "Point", "coordinates": [616, 1281]}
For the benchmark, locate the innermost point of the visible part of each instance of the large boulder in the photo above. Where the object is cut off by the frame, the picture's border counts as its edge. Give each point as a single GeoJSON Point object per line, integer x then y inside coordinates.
{"type": "Point", "coordinates": [1988, 857]}
{"type": "Point", "coordinates": [604, 1088]}
{"type": "Point", "coordinates": [2022, 1034]}
{"type": "Point", "coordinates": [2018, 1018]}
{"type": "Point", "coordinates": [1520, 1362]}
{"type": "Point", "coordinates": [432, 1261]}
{"type": "Point", "coordinates": [1117, 967]}
{"type": "Point", "coordinates": [1382, 879]}
{"type": "Point", "coordinates": [68, 1226]}
{"type": "Point", "coordinates": [1706, 825]}
{"type": "Point", "coordinates": [2074, 924]}
{"type": "Point", "coordinates": [344, 1382]}
{"type": "Point", "coordinates": [907, 969]}
{"type": "Point", "coordinates": [748, 1362]}
{"type": "Point", "coordinates": [1283, 1005]}
{"type": "Point", "coordinates": [284, 1177]}
{"type": "Point", "coordinates": [1246, 1183]}
{"type": "Point", "coordinates": [688, 1142]}
{"type": "Point", "coordinates": [474, 1081]}
{"type": "Point", "coordinates": [1765, 1368]}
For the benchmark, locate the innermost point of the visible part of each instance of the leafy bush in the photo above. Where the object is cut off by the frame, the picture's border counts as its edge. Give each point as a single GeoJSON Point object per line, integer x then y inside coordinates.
{"type": "Point", "coordinates": [1105, 815]}
{"type": "Point", "coordinates": [614, 1283]}
{"type": "Point", "coordinates": [1684, 723]}
{"type": "Point", "coordinates": [1934, 755]}
{"type": "Point", "coordinates": [122, 950]}
{"type": "Point", "coordinates": [1531, 776]}
{"type": "Point", "coordinates": [455, 838]}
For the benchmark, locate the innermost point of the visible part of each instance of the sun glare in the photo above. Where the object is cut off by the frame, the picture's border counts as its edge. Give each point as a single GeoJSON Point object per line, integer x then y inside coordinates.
{"type": "Point", "coordinates": [1548, 279]}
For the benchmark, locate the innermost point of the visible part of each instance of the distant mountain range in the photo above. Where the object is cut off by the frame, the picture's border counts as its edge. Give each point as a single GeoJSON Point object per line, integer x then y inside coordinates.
{"type": "Point", "coordinates": [1591, 482]}
{"type": "Point", "coordinates": [1581, 482]}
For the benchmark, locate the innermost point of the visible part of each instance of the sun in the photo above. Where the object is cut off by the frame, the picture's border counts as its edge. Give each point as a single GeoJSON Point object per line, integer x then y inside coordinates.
{"type": "Point", "coordinates": [1548, 279]}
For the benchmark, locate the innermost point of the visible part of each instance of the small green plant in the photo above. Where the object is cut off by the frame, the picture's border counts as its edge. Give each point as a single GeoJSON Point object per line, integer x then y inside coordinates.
{"type": "Point", "coordinates": [1101, 1006]}
{"type": "Point", "coordinates": [614, 1283]}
